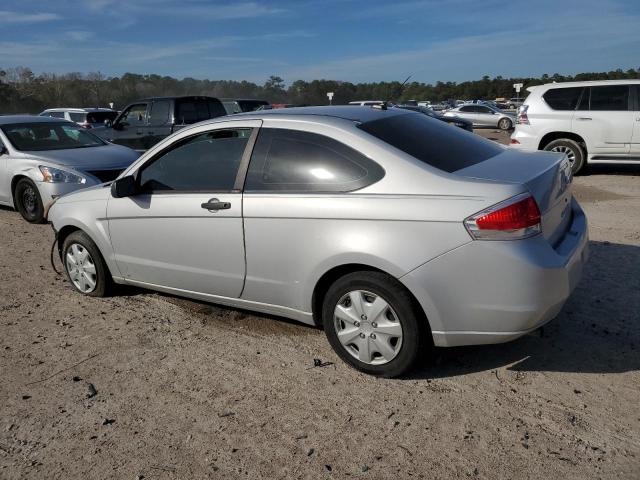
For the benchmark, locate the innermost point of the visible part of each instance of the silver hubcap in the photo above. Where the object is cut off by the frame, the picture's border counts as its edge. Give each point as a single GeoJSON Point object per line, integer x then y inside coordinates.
{"type": "Point", "coordinates": [81, 268]}
{"type": "Point", "coordinates": [569, 152]}
{"type": "Point", "coordinates": [367, 327]}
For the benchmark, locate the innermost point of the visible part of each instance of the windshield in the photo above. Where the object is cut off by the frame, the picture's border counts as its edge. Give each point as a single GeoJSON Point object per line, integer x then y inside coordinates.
{"type": "Point", "coordinates": [37, 137]}
{"type": "Point", "coordinates": [431, 141]}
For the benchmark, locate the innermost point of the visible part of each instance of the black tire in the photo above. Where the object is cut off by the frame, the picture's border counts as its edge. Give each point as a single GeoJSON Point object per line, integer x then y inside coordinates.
{"type": "Point", "coordinates": [505, 124]}
{"type": "Point", "coordinates": [415, 330]}
{"type": "Point", "coordinates": [102, 279]}
{"type": "Point", "coordinates": [572, 149]}
{"type": "Point", "coordinates": [27, 201]}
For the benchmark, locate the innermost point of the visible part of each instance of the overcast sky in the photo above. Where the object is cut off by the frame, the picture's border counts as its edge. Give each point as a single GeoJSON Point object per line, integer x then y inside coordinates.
{"type": "Point", "coordinates": [353, 40]}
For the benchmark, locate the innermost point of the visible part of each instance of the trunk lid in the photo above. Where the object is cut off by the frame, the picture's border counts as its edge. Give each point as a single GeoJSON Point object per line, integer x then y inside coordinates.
{"type": "Point", "coordinates": [547, 177]}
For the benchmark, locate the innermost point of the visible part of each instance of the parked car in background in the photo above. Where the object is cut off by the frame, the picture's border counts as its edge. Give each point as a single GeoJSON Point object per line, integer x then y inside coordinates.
{"type": "Point", "coordinates": [367, 102]}
{"type": "Point", "coordinates": [482, 115]}
{"type": "Point", "coordinates": [42, 158]}
{"type": "Point", "coordinates": [590, 122]}
{"type": "Point", "coordinates": [456, 121]}
{"type": "Point", "coordinates": [144, 123]}
{"type": "Point", "coordinates": [243, 105]}
{"type": "Point", "coordinates": [515, 102]}
{"type": "Point", "coordinates": [85, 117]}
{"type": "Point", "coordinates": [391, 229]}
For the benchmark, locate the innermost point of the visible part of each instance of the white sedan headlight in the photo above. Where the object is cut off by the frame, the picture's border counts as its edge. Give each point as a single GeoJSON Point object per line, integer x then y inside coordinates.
{"type": "Point", "coordinates": [55, 175]}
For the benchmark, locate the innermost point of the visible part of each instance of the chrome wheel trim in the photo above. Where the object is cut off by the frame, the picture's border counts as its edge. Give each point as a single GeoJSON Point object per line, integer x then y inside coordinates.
{"type": "Point", "coordinates": [504, 124]}
{"type": "Point", "coordinates": [81, 268]}
{"type": "Point", "coordinates": [367, 327]}
{"type": "Point", "coordinates": [571, 155]}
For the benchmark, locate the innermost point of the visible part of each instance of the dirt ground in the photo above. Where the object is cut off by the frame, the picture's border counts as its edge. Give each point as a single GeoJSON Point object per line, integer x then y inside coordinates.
{"type": "Point", "coordinates": [143, 385]}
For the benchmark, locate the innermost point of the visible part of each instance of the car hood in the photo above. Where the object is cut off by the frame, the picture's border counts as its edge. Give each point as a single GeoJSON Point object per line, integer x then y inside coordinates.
{"type": "Point", "coordinates": [107, 157]}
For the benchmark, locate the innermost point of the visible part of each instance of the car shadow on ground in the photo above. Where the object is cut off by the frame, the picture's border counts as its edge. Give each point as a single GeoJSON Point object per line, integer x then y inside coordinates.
{"type": "Point", "coordinates": [613, 169]}
{"type": "Point", "coordinates": [597, 331]}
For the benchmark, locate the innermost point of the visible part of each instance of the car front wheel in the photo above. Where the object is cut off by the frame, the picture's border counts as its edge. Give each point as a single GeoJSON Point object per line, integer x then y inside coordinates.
{"type": "Point", "coordinates": [373, 324]}
{"type": "Point", "coordinates": [28, 202]}
{"type": "Point", "coordinates": [84, 265]}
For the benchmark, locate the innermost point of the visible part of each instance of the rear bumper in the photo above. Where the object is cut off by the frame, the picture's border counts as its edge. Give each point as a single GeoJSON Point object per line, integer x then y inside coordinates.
{"type": "Point", "coordinates": [526, 141]}
{"type": "Point", "coordinates": [495, 291]}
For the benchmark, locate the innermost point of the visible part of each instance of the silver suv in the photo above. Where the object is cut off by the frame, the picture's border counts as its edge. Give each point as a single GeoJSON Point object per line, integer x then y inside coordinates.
{"type": "Point", "coordinates": [592, 122]}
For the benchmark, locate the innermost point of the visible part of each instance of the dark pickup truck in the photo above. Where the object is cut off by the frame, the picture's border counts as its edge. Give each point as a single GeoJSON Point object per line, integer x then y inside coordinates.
{"type": "Point", "coordinates": [144, 123]}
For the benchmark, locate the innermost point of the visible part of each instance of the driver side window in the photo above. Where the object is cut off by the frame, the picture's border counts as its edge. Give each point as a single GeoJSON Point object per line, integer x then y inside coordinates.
{"type": "Point", "coordinates": [207, 162]}
{"type": "Point", "coordinates": [135, 115]}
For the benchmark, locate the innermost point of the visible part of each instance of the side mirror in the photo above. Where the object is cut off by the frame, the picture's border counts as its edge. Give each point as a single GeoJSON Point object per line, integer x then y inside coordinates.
{"type": "Point", "coordinates": [124, 187]}
{"type": "Point", "coordinates": [108, 123]}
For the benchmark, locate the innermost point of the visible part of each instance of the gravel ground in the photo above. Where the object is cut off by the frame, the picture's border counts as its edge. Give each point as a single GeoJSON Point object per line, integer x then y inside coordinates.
{"type": "Point", "coordinates": [143, 385]}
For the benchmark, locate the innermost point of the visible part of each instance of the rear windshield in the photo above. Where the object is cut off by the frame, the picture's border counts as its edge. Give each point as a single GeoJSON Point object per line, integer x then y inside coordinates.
{"type": "Point", "coordinates": [432, 141]}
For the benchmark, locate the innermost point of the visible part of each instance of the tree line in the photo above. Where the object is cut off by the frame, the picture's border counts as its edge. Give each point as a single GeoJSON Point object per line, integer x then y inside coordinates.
{"type": "Point", "coordinates": [22, 91]}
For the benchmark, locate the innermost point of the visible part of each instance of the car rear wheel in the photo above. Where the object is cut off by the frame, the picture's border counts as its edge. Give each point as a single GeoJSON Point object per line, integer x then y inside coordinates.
{"type": "Point", "coordinates": [373, 324]}
{"type": "Point", "coordinates": [27, 201]}
{"type": "Point", "coordinates": [572, 149]}
{"type": "Point", "coordinates": [505, 124]}
{"type": "Point", "coordinates": [84, 265]}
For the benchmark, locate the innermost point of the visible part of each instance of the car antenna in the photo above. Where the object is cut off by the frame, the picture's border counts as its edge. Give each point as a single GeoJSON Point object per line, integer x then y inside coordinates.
{"type": "Point", "coordinates": [385, 104]}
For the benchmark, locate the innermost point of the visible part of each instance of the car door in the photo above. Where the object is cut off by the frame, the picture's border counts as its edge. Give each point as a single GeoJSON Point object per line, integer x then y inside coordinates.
{"type": "Point", "coordinates": [466, 111]}
{"type": "Point", "coordinates": [604, 119]}
{"type": "Point", "coordinates": [129, 128]}
{"type": "Point", "coordinates": [184, 230]}
{"type": "Point", "coordinates": [160, 122]}
{"type": "Point", "coordinates": [486, 117]}
{"type": "Point", "coordinates": [5, 181]}
{"type": "Point", "coordinates": [634, 150]}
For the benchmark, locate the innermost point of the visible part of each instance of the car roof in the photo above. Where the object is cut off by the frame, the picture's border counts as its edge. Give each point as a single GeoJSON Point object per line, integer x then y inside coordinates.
{"type": "Point", "coordinates": [11, 119]}
{"type": "Point", "coordinates": [324, 114]}
{"type": "Point", "coordinates": [590, 83]}
{"type": "Point", "coordinates": [79, 110]}
{"type": "Point", "coordinates": [174, 97]}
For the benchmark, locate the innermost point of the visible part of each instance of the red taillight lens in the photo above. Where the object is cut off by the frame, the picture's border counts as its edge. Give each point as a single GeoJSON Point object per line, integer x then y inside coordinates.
{"type": "Point", "coordinates": [518, 217]}
{"type": "Point", "coordinates": [514, 142]}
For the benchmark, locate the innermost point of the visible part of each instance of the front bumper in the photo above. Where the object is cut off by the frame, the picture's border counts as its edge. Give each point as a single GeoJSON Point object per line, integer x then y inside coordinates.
{"type": "Point", "coordinates": [495, 291]}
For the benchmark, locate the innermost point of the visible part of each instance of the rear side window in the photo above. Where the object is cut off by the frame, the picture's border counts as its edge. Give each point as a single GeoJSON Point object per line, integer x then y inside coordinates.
{"type": "Point", "coordinates": [192, 110]}
{"type": "Point", "coordinates": [610, 98]}
{"type": "Point", "coordinates": [77, 117]}
{"type": "Point", "coordinates": [432, 141]}
{"type": "Point", "coordinates": [294, 161]}
{"type": "Point", "coordinates": [562, 98]}
{"type": "Point", "coordinates": [159, 112]}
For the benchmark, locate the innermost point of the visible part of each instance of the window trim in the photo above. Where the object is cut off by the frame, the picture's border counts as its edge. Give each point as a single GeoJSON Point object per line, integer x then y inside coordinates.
{"type": "Point", "coordinates": [242, 166]}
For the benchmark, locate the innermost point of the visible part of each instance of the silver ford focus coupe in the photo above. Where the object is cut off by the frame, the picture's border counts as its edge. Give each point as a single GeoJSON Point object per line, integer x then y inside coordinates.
{"type": "Point", "coordinates": [42, 158]}
{"type": "Point", "coordinates": [390, 229]}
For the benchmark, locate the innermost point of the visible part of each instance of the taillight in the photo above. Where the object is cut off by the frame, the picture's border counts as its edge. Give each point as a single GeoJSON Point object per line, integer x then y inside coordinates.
{"type": "Point", "coordinates": [521, 117]}
{"type": "Point", "coordinates": [513, 219]}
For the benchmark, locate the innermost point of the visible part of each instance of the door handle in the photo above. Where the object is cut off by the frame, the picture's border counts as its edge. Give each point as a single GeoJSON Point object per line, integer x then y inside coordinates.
{"type": "Point", "coordinates": [584, 118]}
{"type": "Point", "coordinates": [215, 205]}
